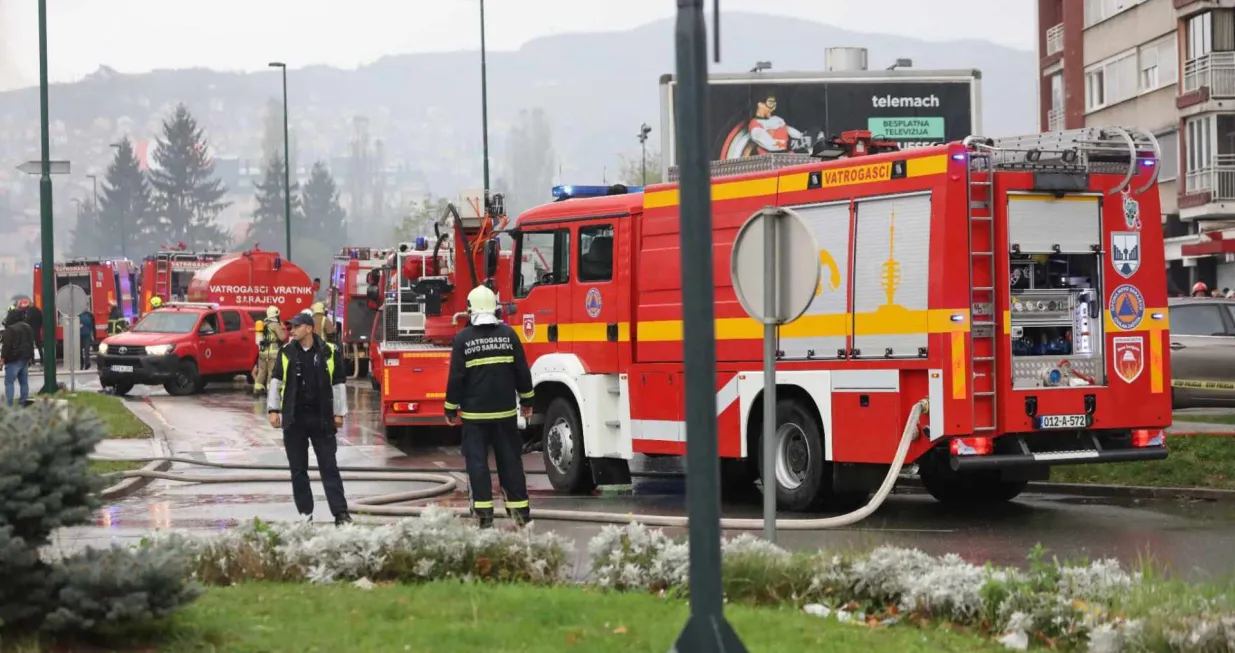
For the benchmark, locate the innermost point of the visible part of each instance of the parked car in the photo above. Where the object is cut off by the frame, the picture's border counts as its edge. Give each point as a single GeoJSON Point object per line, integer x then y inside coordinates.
{"type": "Point", "coordinates": [1202, 337]}
{"type": "Point", "coordinates": [181, 346]}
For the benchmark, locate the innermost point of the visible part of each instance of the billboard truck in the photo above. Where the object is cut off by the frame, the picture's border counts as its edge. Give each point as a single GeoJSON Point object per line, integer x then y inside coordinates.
{"type": "Point", "coordinates": [752, 114]}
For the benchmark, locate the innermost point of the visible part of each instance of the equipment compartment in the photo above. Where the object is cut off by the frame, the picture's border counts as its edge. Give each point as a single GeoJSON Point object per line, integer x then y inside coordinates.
{"type": "Point", "coordinates": [1055, 320]}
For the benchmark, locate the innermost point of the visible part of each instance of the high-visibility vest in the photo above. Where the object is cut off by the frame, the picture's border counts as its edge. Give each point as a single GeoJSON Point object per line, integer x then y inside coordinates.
{"type": "Point", "coordinates": [284, 362]}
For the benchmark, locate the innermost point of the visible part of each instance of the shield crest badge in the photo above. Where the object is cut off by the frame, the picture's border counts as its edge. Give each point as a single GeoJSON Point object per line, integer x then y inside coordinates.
{"type": "Point", "coordinates": [1126, 252]}
{"type": "Point", "coordinates": [529, 327]}
{"type": "Point", "coordinates": [1129, 357]}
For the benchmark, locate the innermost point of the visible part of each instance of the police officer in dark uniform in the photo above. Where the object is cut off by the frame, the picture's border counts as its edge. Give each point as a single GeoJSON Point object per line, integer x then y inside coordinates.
{"type": "Point", "coordinates": [487, 370]}
{"type": "Point", "coordinates": [308, 398]}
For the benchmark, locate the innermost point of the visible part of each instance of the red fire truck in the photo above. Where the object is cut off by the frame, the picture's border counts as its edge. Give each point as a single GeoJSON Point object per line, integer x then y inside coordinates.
{"type": "Point", "coordinates": [1005, 281]}
{"type": "Point", "coordinates": [167, 273]}
{"type": "Point", "coordinates": [104, 280]}
{"type": "Point", "coordinates": [253, 279]}
{"type": "Point", "coordinates": [421, 293]}
{"type": "Point", "coordinates": [347, 302]}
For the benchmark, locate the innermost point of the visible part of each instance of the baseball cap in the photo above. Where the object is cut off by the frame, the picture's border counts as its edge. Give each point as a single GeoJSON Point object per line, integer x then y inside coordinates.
{"type": "Point", "coordinates": [301, 318]}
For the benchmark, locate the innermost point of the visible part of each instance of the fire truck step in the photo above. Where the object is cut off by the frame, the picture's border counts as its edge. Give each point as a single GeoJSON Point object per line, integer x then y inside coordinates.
{"type": "Point", "coordinates": [983, 428]}
{"type": "Point", "coordinates": [980, 217]}
{"type": "Point", "coordinates": [615, 390]}
{"type": "Point", "coordinates": [979, 204]}
{"type": "Point", "coordinates": [982, 253]}
{"type": "Point", "coordinates": [981, 183]}
{"type": "Point", "coordinates": [982, 288]}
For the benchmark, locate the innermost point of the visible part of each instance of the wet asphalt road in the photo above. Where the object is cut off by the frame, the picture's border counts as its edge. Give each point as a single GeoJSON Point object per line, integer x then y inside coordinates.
{"type": "Point", "coordinates": [226, 424]}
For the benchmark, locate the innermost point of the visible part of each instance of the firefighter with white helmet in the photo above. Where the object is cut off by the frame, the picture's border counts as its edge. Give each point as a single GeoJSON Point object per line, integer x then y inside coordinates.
{"type": "Point", "coordinates": [270, 337]}
{"type": "Point", "coordinates": [487, 370]}
{"type": "Point", "coordinates": [322, 325]}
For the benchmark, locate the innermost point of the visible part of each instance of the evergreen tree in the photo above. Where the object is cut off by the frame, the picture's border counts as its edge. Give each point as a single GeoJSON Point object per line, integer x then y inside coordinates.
{"type": "Point", "coordinates": [323, 215]}
{"type": "Point", "coordinates": [187, 196]}
{"type": "Point", "coordinates": [268, 226]}
{"type": "Point", "coordinates": [124, 223]}
{"type": "Point", "coordinates": [87, 237]}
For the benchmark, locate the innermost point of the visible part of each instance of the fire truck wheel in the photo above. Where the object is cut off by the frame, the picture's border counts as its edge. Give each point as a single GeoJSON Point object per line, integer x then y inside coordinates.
{"type": "Point", "coordinates": [566, 463]}
{"type": "Point", "coordinates": [974, 487]}
{"type": "Point", "coordinates": [803, 478]}
{"type": "Point", "coordinates": [186, 381]}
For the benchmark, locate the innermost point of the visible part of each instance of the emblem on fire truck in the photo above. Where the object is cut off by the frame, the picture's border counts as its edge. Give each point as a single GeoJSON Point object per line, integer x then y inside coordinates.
{"type": "Point", "coordinates": [1127, 307]}
{"type": "Point", "coordinates": [529, 326]}
{"type": "Point", "coordinates": [1129, 357]}
{"type": "Point", "coordinates": [592, 303]}
{"type": "Point", "coordinates": [1126, 252]}
{"type": "Point", "coordinates": [1132, 211]}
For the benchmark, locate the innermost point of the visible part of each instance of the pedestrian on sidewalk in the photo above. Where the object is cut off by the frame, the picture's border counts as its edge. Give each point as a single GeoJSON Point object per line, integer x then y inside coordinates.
{"type": "Point", "coordinates": [86, 321]}
{"type": "Point", "coordinates": [487, 369]}
{"type": "Point", "coordinates": [34, 317]}
{"type": "Point", "coordinates": [308, 398]}
{"type": "Point", "coordinates": [16, 352]}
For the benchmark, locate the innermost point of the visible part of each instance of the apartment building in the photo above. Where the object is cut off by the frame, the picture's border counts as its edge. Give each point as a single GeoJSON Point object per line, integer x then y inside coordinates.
{"type": "Point", "coordinates": [1167, 66]}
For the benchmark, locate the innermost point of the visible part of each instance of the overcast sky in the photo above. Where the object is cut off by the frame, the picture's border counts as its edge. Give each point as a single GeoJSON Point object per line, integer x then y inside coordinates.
{"type": "Point", "coordinates": [139, 35]}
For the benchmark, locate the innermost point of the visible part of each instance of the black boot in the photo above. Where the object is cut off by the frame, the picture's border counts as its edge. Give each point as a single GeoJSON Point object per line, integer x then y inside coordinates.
{"type": "Point", "coordinates": [342, 518]}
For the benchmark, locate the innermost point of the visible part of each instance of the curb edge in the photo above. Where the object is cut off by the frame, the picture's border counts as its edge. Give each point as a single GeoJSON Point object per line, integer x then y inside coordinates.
{"type": "Point", "coordinates": [159, 447]}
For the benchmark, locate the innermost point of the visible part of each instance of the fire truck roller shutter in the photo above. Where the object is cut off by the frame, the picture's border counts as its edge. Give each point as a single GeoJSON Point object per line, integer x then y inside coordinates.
{"type": "Point", "coordinates": [891, 276]}
{"type": "Point", "coordinates": [821, 331]}
{"type": "Point", "coordinates": [1039, 222]}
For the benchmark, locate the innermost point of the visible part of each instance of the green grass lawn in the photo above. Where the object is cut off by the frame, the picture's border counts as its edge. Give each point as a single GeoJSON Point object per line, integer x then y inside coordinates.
{"type": "Point", "coordinates": [109, 466]}
{"type": "Point", "coordinates": [1202, 461]}
{"type": "Point", "coordinates": [1207, 419]}
{"type": "Point", "coordinates": [450, 616]}
{"type": "Point", "coordinates": [120, 421]}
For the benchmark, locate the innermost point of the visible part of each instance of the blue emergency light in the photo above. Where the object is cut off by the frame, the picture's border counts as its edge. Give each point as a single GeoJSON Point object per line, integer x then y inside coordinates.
{"type": "Point", "coordinates": [569, 192]}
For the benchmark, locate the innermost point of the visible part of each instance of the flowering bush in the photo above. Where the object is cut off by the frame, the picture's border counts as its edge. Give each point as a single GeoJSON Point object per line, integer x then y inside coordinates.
{"type": "Point", "coordinates": [437, 545]}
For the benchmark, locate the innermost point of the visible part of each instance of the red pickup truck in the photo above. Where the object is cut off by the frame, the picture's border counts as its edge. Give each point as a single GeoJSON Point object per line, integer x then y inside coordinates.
{"type": "Point", "coordinates": [181, 346]}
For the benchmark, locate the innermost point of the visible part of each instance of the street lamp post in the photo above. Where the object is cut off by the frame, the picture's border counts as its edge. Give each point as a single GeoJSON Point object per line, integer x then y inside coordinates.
{"type": "Point", "coordinates": [484, 98]}
{"type": "Point", "coordinates": [644, 130]}
{"type": "Point", "coordinates": [123, 238]}
{"type": "Point", "coordinates": [287, 164]}
{"type": "Point", "coordinates": [48, 273]}
{"type": "Point", "coordinates": [95, 181]}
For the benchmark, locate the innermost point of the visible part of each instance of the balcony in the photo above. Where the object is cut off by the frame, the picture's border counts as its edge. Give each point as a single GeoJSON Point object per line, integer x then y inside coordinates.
{"type": "Point", "coordinates": [1209, 192]}
{"type": "Point", "coordinates": [1054, 39]}
{"type": "Point", "coordinates": [1214, 71]}
{"type": "Point", "coordinates": [1055, 120]}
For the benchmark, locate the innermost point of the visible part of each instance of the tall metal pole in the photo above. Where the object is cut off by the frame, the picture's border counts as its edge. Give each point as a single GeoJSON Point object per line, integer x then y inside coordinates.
{"type": "Point", "coordinates": [287, 171]}
{"type": "Point", "coordinates": [48, 272]}
{"type": "Point", "coordinates": [484, 97]}
{"type": "Point", "coordinates": [707, 629]}
{"type": "Point", "coordinates": [123, 236]}
{"type": "Point", "coordinates": [94, 179]}
{"type": "Point", "coordinates": [771, 310]}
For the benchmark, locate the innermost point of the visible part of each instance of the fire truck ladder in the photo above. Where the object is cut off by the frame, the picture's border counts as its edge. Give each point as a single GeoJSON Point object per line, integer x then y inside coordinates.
{"type": "Point", "coordinates": [162, 276]}
{"type": "Point", "coordinates": [981, 184]}
{"type": "Point", "coordinates": [1064, 159]}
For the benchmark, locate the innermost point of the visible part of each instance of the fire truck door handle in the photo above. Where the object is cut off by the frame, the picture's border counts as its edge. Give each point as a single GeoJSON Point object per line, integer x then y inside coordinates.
{"type": "Point", "coordinates": [552, 333]}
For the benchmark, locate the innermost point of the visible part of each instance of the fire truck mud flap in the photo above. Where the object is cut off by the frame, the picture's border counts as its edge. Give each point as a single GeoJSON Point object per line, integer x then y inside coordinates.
{"type": "Point", "coordinates": [1027, 453]}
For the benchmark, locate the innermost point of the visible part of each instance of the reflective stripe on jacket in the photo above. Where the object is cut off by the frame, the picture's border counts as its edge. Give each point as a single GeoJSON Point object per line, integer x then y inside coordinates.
{"type": "Point", "coordinates": [488, 370]}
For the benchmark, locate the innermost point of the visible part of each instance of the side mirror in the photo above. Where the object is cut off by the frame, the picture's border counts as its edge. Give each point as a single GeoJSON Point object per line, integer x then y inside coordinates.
{"type": "Point", "coordinates": [493, 252]}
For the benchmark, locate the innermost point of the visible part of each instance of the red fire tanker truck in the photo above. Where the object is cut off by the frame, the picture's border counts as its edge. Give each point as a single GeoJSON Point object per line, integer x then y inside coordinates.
{"type": "Point", "coordinates": [254, 279]}
{"type": "Point", "coordinates": [1005, 281]}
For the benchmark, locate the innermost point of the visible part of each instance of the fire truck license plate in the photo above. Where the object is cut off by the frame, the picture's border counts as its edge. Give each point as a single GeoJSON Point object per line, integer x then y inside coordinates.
{"type": "Point", "coordinates": [1063, 422]}
{"type": "Point", "coordinates": [122, 368]}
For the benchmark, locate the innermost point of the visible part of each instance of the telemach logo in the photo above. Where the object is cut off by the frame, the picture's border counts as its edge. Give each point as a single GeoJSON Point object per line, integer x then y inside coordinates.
{"type": "Point", "coordinates": [911, 101]}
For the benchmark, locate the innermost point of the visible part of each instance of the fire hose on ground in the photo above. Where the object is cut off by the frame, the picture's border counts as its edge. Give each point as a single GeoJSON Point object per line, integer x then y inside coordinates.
{"type": "Point", "coordinates": [381, 505]}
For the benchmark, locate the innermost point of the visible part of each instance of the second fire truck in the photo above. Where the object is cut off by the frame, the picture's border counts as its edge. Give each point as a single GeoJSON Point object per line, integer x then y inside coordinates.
{"type": "Point", "coordinates": [1015, 284]}
{"type": "Point", "coordinates": [347, 302]}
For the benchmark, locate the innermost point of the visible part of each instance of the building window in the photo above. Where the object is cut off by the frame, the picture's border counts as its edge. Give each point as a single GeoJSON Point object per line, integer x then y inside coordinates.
{"type": "Point", "coordinates": [1200, 36]}
{"type": "Point", "coordinates": [1159, 64]}
{"type": "Point", "coordinates": [1097, 11]}
{"type": "Point", "coordinates": [1168, 165]}
{"type": "Point", "coordinates": [1199, 152]}
{"type": "Point", "coordinates": [1111, 81]}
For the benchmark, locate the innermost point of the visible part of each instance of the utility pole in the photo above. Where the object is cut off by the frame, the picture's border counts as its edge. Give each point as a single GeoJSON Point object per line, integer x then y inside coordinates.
{"type": "Point", "coordinates": [706, 629]}
{"type": "Point", "coordinates": [123, 238]}
{"type": "Point", "coordinates": [484, 98]}
{"type": "Point", "coordinates": [48, 272]}
{"type": "Point", "coordinates": [644, 130]}
{"type": "Point", "coordinates": [287, 165]}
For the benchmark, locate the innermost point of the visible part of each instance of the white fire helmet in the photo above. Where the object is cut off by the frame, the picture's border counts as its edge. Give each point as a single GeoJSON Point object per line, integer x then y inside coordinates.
{"type": "Point", "coordinates": [482, 304]}
{"type": "Point", "coordinates": [272, 312]}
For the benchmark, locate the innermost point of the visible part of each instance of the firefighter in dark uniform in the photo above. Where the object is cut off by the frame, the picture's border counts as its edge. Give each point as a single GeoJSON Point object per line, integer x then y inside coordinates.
{"type": "Point", "coordinates": [308, 399]}
{"type": "Point", "coordinates": [488, 370]}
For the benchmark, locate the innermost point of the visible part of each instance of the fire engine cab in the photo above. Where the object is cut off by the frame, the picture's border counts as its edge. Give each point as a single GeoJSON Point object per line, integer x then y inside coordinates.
{"type": "Point", "coordinates": [166, 274]}
{"type": "Point", "coordinates": [1016, 284]}
{"type": "Point", "coordinates": [103, 280]}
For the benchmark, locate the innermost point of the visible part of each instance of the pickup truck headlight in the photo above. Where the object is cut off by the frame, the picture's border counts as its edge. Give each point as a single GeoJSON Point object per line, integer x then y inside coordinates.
{"type": "Point", "coordinates": [159, 350]}
{"type": "Point", "coordinates": [102, 348]}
